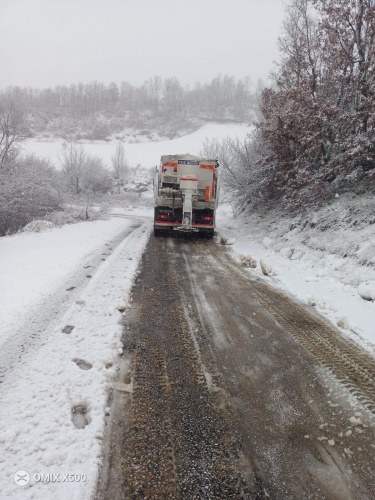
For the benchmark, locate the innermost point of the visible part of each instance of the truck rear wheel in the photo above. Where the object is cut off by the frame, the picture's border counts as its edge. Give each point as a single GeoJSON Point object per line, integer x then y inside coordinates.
{"type": "Point", "coordinates": [209, 234]}
{"type": "Point", "coordinates": [158, 232]}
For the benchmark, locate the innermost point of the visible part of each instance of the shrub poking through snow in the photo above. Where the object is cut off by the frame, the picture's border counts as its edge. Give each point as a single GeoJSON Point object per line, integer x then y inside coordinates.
{"type": "Point", "coordinates": [266, 268]}
{"type": "Point", "coordinates": [248, 261]}
{"type": "Point", "coordinates": [297, 254]}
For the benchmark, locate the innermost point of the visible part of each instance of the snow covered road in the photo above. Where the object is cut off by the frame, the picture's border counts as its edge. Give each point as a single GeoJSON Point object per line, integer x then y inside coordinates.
{"type": "Point", "coordinates": [224, 384]}
{"type": "Point", "coordinates": [60, 342]}
{"type": "Point", "coordinates": [236, 390]}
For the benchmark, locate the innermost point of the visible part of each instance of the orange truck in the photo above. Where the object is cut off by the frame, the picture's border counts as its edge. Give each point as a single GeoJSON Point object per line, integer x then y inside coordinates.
{"type": "Point", "coordinates": [186, 190]}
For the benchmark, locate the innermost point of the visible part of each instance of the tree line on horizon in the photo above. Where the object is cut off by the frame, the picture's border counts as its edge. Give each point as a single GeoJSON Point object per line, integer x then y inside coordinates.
{"type": "Point", "coordinates": [96, 111]}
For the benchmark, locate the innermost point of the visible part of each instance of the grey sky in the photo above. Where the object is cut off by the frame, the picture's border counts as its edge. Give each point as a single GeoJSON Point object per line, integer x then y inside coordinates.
{"type": "Point", "coordinates": [49, 42]}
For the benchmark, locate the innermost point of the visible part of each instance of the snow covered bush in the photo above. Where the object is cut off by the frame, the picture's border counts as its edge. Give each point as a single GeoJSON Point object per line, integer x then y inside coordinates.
{"type": "Point", "coordinates": [28, 190]}
{"type": "Point", "coordinates": [319, 116]}
{"type": "Point", "coordinates": [241, 176]}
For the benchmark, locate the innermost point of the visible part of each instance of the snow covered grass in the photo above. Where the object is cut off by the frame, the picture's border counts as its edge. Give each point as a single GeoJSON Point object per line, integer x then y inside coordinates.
{"type": "Point", "coordinates": [146, 154]}
{"type": "Point", "coordinates": [54, 402]}
{"type": "Point", "coordinates": [325, 258]}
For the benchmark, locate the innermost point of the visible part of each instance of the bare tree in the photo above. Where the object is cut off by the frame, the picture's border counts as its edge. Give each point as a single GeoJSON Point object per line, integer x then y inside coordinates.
{"type": "Point", "coordinates": [97, 181]}
{"type": "Point", "coordinates": [173, 95]}
{"type": "Point", "coordinates": [84, 176]}
{"type": "Point", "coordinates": [154, 88]}
{"type": "Point", "coordinates": [119, 166]}
{"type": "Point", "coordinates": [241, 173]}
{"type": "Point", "coordinates": [98, 178]}
{"type": "Point", "coordinates": [11, 128]}
{"type": "Point", "coordinates": [74, 166]}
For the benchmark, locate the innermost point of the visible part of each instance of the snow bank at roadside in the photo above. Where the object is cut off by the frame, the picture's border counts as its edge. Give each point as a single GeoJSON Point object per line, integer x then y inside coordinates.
{"type": "Point", "coordinates": [32, 265]}
{"type": "Point", "coordinates": [53, 404]}
{"type": "Point", "coordinates": [36, 226]}
{"type": "Point", "coordinates": [326, 258]}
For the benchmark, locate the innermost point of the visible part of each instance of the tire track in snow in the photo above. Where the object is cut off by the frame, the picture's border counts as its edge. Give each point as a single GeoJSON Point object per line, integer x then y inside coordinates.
{"type": "Point", "coordinates": [354, 367]}
{"type": "Point", "coordinates": [180, 445]}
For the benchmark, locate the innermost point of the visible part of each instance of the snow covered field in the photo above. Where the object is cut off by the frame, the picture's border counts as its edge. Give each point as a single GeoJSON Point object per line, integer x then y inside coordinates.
{"type": "Point", "coordinates": [147, 154]}
{"type": "Point", "coordinates": [53, 401]}
{"type": "Point", "coordinates": [325, 259]}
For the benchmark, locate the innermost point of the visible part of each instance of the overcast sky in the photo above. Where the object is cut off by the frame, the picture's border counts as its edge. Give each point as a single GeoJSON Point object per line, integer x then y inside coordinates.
{"type": "Point", "coordinates": [44, 43]}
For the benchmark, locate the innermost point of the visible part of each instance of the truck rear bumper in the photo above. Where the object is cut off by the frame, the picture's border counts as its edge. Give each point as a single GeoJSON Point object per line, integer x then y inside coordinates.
{"type": "Point", "coordinates": [172, 225]}
{"type": "Point", "coordinates": [163, 228]}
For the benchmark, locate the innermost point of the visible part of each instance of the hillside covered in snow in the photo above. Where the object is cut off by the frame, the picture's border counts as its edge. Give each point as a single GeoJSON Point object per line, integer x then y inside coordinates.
{"type": "Point", "coordinates": [325, 258]}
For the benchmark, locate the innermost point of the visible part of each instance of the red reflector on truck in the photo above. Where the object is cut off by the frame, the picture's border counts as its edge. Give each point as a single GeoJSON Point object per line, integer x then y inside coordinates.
{"type": "Point", "coordinates": [163, 216]}
{"type": "Point", "coordinates": [206, 218]}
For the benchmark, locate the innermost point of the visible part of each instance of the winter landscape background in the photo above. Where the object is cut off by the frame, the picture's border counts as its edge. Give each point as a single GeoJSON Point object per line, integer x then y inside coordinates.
{"type": "Point", "coordinates": [297, 158]}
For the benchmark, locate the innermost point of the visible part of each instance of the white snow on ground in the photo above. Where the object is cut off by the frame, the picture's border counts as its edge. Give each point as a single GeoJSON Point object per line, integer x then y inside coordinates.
{"type": "Point", "coordinates": [147, 154]}
{"type": "Point", "coordinates": [32, 265]}
{"type": "Point", "coordinates": [326, 259]}
{"type": "Point", "coordinates": [50, 386]}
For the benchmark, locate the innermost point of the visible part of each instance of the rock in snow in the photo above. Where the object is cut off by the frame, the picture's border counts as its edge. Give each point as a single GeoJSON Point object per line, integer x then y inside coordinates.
{"type": "Point", "coordinates": [267, 242]}
{"type": "Point", "coordinates": [367, 290]}
{"type": "Point", "coordinates": [343, 323]}
{"type": "Point", "coordinates": [227, 241]}
{"type": "Point", "coordinates": [248, 261]}
{"type": "Point", "coordinates": [355, 421]}
{"type": "Point", "coordinates": [266, 268]}
{"type": "Point", "coordinates": [286, 252]}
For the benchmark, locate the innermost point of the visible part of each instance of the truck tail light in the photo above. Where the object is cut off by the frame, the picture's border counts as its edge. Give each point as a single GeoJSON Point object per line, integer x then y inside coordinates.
{"type": "Point", "coordinates": [162, 216]}
{"type": "Point", "coordinates": [207, 218]}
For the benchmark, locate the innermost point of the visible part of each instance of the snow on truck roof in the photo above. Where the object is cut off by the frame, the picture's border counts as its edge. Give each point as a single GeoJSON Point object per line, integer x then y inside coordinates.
{"type": "Point", "coordinates": [187, 156]}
